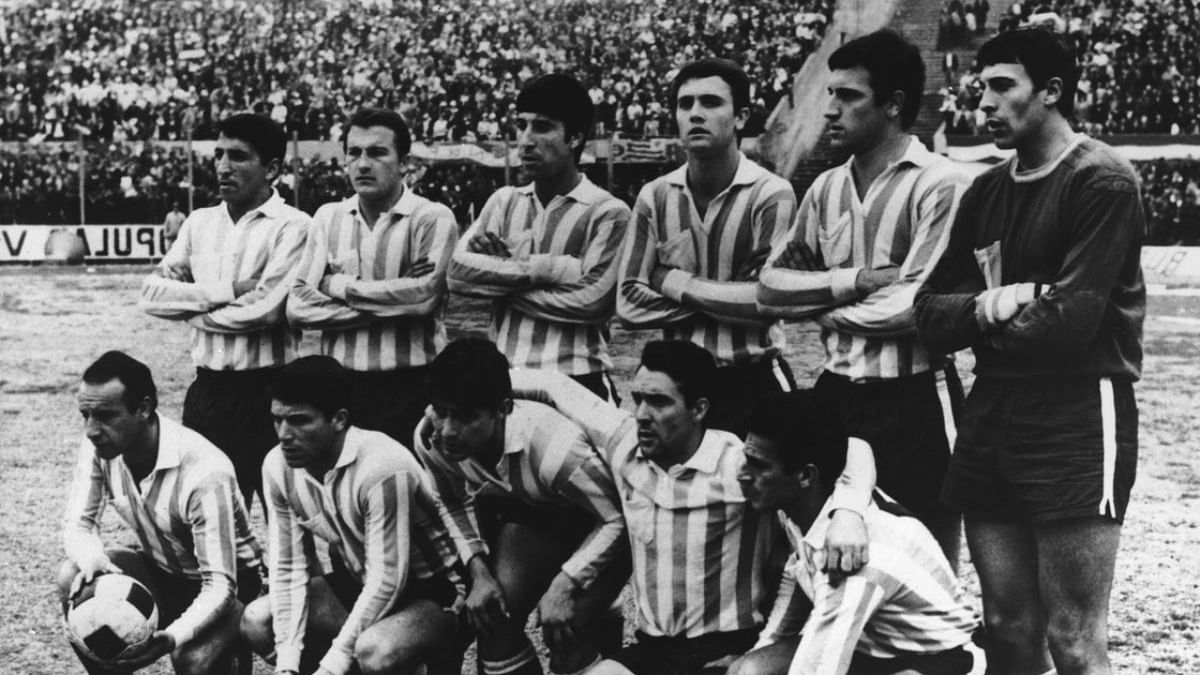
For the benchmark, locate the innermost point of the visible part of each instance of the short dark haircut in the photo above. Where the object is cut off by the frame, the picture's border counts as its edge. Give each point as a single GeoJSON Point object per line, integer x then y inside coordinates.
{"type": "Point", "coordinates": [561, 97]}
{"type": "Point", "coordinates": [259, 132]}
{"type": "Point", "coordinates": [130, 372]}
{"type": "Point", "coordinates": [319, 381]}
{"type": "Point", "coordinates": [806, 428]}
{"type": "Point", "coordinates": [380, 117]}
{"type": "Point", "coordinates": [893, 63]}
{"type": "Point", "coordinates": [1044, 54]}
{"type": "Point", "coordinates": [732, 73]}
{"type": "Point", "coordinates": [691, 366]}
{"type": "Point", "coordinates": [469, 373]}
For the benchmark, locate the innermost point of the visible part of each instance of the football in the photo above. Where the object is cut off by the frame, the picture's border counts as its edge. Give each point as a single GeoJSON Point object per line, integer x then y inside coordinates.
{"type": "Point", "coordinates": [110, 614]}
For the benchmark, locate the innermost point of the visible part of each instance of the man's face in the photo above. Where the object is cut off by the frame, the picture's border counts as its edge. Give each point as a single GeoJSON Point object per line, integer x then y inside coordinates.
{"type": "Point", "coordinates": [372, 164]}
{"type": "Point", "coordinates": [107, 422]}
{"type": "Point", "coordinates": [853, 121]}
{"type": "Point", "coordinates": [306, 435]}
{"type": "Point", "coordinates": [462, 433]}
{"type": "Point", "coordinates": [765, 482]}
{"type": "Point", "coordinates": [708, 122]}
{"type": "Point", "coordinates": [665, 422]}
{"type": "Point", "coordinates": [241, 175]}
{"type": "Point", "coordinates": [1014, 111]}
{"type": "Point", "coordinates": [543, 144]}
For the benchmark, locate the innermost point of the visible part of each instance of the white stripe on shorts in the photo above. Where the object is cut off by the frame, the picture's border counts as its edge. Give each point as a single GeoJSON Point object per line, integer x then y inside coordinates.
{"type": "Point", "coordinates": [1108, 420]}
{"type": "Point", "coordinates": [943, 392]}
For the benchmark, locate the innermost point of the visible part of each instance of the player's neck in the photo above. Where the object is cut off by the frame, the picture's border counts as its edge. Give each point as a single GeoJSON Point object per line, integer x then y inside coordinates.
{"type": "Point", "coordinates": [870, 163]}
{"type": "Point", "coordinates": [709, 175]}
{"type": "Point", "coordinates": [236, 211]}
{"type": "Point", "coordinates": [805, 510]}
{"type": "Point", "coordinates": [142, 457]}
{"type": "Point", "coordinates": [685, 452]}
{"type": "Point", "coordinates": [561, 183]}
{"type": "Point", "coordinates": [319, 469]}
{"type": "Point", "coordinates": [495, 446]}
{"type": "Point", "coordinates": [372, 208]}
{"type": "Point", "coordinates": [1045, 144]}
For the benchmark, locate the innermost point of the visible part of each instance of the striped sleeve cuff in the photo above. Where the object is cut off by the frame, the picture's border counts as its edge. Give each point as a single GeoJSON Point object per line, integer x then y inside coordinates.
{"type": "Point", "coordinates": [842, 283]}
{"type": "Point", "coordinates": [336, 661]}
{"type": "Point", "coordinates": [674, 284]}
{"type": "Point", "coordinates": [287, 657]}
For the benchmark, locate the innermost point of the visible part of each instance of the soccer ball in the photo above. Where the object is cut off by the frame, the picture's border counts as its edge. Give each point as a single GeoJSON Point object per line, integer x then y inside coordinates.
{"type": "Point", "coordinates": [110, 614]}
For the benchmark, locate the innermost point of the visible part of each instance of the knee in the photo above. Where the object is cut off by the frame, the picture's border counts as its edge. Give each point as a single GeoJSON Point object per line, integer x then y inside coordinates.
{"type": "Point", "coordinates": [374, 654]}
{"type": "Point", "coordinates": [193, 662]}
{"type": "Point", "coordinates": [747, 664]}
{"type": "Point", "coordinates": [1076, 640]}
{"type": "Point", "coordinates": [1015, 628]}
{"type": "Point", "coordinates": [255, 626]}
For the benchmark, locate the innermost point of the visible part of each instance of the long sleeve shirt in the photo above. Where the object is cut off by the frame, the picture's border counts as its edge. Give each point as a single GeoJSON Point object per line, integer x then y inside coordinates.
{"type": "Point", "coordinates": [1075, 225]}
{"type": "Point", "coordinates": [233, 333]}
{"type": "Point", "coordinates": [374, 316]}
{"type": "Point", "coordinates": [903, 222]}
{"type": "Point", "coordinates": [553, 298]}
{"type": "Point", "coordinates": [697, 298]}
{"type": "Point", "coordinates": [547, 462]}
{"type": "Point", "coordinates": [377, 509]}
{"type": "Point", "coordinates": [187, 514]}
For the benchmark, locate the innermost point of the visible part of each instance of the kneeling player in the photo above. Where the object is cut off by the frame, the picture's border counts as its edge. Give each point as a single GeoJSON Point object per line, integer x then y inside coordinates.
{"type": "Point", "coordinates": [385, 604]}
{"type": "Point", "coordinates": [899, 614]}
{"type": "Point", "coordinates": [178, 493]}
{"type": "Point", "coordinates": [535, 511]}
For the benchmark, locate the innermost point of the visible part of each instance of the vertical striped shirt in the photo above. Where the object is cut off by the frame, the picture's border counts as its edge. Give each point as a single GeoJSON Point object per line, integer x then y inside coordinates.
{"type": "Point", "coordinates": [374, 316]}
{"type": "Point", "coordinates": [377, 509]}
{"type": "Point", "coordinates": [903, 221]}
{"type": "Point", "coordinates": [554, 296]}
{"type": "Point", "coordinates": [698, 300]}
{"type": "Point", "coordinates": [905, 601]}
{"type": "Point", "coordinates": [187, 514]}
{"type": "Point", "coordinates": [231, 333]}
{"type": "Point", "coordinates": [547, 462]}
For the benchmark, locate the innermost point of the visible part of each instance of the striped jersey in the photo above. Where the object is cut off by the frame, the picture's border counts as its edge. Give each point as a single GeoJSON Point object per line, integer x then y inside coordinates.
{"type": "Point", "coordinates": [231, 333]}
{"type": "Point", "coordinates": [554, 296]}
{"type": "Point", "coordinates": [904, 601]}
{"type": "Point", "coordinates": [187, 514]}
{"type": "Point", "coordinates": [903, 221]}
{"type": "Point", "coordinates": [697, 259]}
{"type": "Point", "coordinates": [354, 285]}
{"type": "Point", "coordinates": [377, 509]}
{"type": "Point", "coordinates": [547, 462]}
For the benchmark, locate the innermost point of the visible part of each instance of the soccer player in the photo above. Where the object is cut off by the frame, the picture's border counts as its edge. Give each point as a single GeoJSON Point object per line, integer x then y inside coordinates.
{"type": "Point", "coordinates": [171, 226]}
{"type": "Point", "coordinates": [385, 605]}
{"type": "Point", "coordinates": [1042, 280]}
{"type": "Point", "coordinates": [866, 235]}
{"type": "Point", "coordinates": [699, 237]}
{"type": "Point", "coordinates": [547, 252]}
{"type": "Point", "coordinates": [177, 492]}
{"type": "Point", "coordinates": [535, 512]}
{"type": "Point", "coordinates": [373, 278]}
{"type": "Point", "coordinates": [899, 614]}
{"type": "Point", "coordinates": [228, 277]}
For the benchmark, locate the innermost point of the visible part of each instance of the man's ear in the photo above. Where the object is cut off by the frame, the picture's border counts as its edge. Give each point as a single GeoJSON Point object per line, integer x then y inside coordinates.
{"type": "Point", "coordinates": [506, 407]}
{"type": "Point", "coordinates": [809, 476]}
{"type": "Point", "coordinates": [274, 169]}
{"type": "Point", "coordinates": [144, 409]}
{"type": "Point", "coordinates": [894, 105]}
{"type": "Point", "coordinates": [741, 117]}
{"type": "Point", "coordinates": [1052, 92]}
{"type": "Point", "coordinates": [700, 409]}
{"type": "Point", "coordinates": [341, 419]}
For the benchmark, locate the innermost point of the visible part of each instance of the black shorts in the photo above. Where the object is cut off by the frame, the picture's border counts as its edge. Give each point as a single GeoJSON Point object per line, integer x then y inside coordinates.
{"type": "Point", "coordinates": [391, 401]}
{"type": "Point", "coordinates": [346, 588]}
{"type": "Point", "coordinates": [1040, 451]}
{"type": "Point", "coordinates": [174, 593]}
{"type": "Point", "coordinates": [651, 655]}
{"type": "Point", "coordinates": [957, 661]}
{"type": "Point", "coordinates": [910, 424]}
{"type": "Point", "coordinates": [601, 385]}
{"type": "Point", "coordinates": [570, 525]}
{"type": "Point", "coordinates": [739, 387]}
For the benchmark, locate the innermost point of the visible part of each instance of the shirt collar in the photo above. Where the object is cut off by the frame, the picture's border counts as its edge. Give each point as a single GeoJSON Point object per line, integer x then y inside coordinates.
{"type": "Point", "coordinates": [747, 173]}
{"type": "Point", "coordinates": [273, 207]}
{"type": "Point", "coordinates": [404, 206]}
{"type": "Point", "coordinates": [169, 444]}
{"type": "Point", "coordinates": [354, 438]}
{"type": "Point", "coordinates": [586, 192]}
{"type": "Point", "coordinates": [707, 458]}
{"type": "Point", "coordinates": [915, 153]}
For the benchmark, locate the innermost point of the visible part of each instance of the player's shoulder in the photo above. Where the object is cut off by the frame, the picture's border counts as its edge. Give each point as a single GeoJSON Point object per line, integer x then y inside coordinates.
{"type": "Point", "coordinates": [605, 202]}
{"type": "Point", "coordinates": [1099, 165]}
{"type": "Point", "coordinates": [199, 459]}
{"type": "Point", "coordinates": [425, 209]}
{"type": "Point", "coordinates": [541, 425]}
{"type": "Point", "coordinates": [379, 454]}
{"type": "Point", "coordinates": [675, 179]}
{"type": "Point", "coordinates": [330, 211]}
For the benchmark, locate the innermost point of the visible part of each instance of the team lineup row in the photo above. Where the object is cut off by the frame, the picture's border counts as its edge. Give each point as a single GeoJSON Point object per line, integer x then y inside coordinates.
{"type": "Point", "coordinates": [539, 494]}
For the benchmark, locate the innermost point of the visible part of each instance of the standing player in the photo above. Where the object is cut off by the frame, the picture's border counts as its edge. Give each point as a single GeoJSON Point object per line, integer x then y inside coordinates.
{"type": "Point", "coordinates": [196, 553]}
{"type": "Point", "coordinates": [547, 252]}
{"type": "Point", "coordinates": [373, 278]}
{"type": "Point", "coordinates": [385, 606]}
{"type": "Point", "coordinates": [535, 512]}
{"type": "Point", "coordinates": [867, 234]}
{"type": "Point", "coordinates": [1042, 279]}
{"type": "Point", "coordinates": [700, 235]}
{"type": "Point", "coordinates": [228, 276]}
{"type": "Point", "coordinates": [171, 226]}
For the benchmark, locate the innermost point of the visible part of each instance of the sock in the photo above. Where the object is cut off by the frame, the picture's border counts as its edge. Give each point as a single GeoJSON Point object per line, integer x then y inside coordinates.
{"type": "Point", "coordinates": [525, 662]}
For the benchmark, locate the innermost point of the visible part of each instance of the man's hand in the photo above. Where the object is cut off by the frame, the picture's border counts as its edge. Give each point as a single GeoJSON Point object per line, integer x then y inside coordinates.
{"type": "Point", "coordinates": [89, 569]}
{"type": "Point", "coordinates": [420, 268]}
{"type": "Point", "coordinates": [176, 272]}
{"type": "Point", "coordinates": [753, 265]}
{"type": "Point", "coordinates": [488, 243]}
{"type": "Point", "coordinates": [996, 306]}
{"type": "Point", "coordinates": [798, 256]}
{"type": "Point", "coordinates": [845, 544]}
{"type": "Point", "coordinates": [244, 286]}
{"type": "Point", "coordinates": [486, 605]}
{"type": "Point", "coordinates": [869, 281]}
{"type": "Point", "coordinates": [556, 614]}
{"type": "Point", "coordinates": [146, 652]}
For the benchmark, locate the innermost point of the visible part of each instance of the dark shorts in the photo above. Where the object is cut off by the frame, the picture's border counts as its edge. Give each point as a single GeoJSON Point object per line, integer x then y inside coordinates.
{"type": "Point", "coordinates": [346, 588]}
{"type": "Point", "coordinates": [571, 525]}
{"type": "Point", "coordinates": [650, 655]}
{"type": "Point", "coordinates": [739, 387]}
{"type": "Point", "coordinates": [910, 423]}
{"type": "Point", "coordinates": [391, 401]}
{"type": "Point", "coordinates": [601, 385]}
{"type": "Point", "coordinates": [174, 593]}
{"type": "Point", "coordinates": [231, 408]}
{"type": "Point", "coordinates": [1039, 451]}
{"type": "Point", "coordinates": [957, 661]}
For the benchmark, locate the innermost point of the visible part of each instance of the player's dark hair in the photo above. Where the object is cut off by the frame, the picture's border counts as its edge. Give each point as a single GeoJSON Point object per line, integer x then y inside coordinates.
{"type": "Point", "coordinates": [806, 428]}
{"type": "Point", "coordinates": [133, 374]}
{"type": "Point", "coordinates": [259, 132]}
{"type": "Point", "coordinates": [380, 117]}
{"type": "Point", "coordinates": [1044, 54]}
{"type": "Point", "coordinates": [894, 64]}
{"type": "Point", "coordinates": [691, 366]}
{"type": "Point", "coordinates": [469, 373]}
{"type": "Point", "coordinates": [319, 381]}
{"type": "Point", "coordinates": [732, 73]}
{"type": "Point", "coordinates": [560, 97]}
